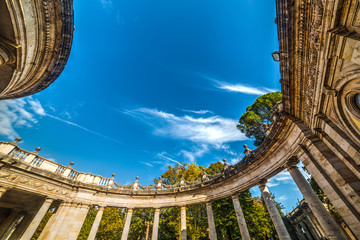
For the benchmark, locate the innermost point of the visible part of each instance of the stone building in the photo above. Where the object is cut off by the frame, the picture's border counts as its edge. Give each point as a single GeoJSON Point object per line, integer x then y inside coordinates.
{"type": "Point", "coordinates": [35, 43]}
{"type": "Point", "coordinates": [317, 123]}
{"type": "Point", "coordinates": [305, 225]}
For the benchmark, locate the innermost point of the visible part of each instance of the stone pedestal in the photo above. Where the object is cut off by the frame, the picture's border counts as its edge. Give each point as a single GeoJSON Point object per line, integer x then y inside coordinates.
{"type": "Point", "coordinates": [96, 224]}
{"type": "Point", "coordinates": [273, 211]}
{"type": "Point", "coordinates": [326, 221]}
{"type": "Point", "coordinates": [126, 229]}
{"type": "Point", "coordinates": [183, 223]}
{"type": "Point", "coordinates": [155, 230]}
{"type": "Point", "coordinates": [37, 219]}
{"type": "Point", "coordinates": [211, 222]}
{"type": "Point", "coordinates": [240, 218]}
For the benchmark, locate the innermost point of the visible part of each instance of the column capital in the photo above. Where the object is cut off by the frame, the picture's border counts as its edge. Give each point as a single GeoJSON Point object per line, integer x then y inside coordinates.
{"type": "Point", "coordinates": [157, 209]}
{"type": "Point", "coordinates": [262, 182]}
{"type": "Point", "coordinates": [291, 163]}
{"type": "Point", "coordinates": [49, 200]}
{"type": "Point", "coordinates": [235, 196]}
{"type": "Point", "coordinates": [130, 209]}
{"type": "Point", "coordinates": [3, 189]}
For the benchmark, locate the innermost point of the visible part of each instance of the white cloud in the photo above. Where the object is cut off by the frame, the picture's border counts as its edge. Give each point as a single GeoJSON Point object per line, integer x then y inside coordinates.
{"type": "Point", "coordinates": [83, 128]}
{"type": "Point", "coordinates": [283, 177]}
{"type": "Point", "coordinates": [238, 87]}
{"type": "Point", "coordinates": [106, 3]}
{"type": "Point", "coordinates": [198, 111]}
{"type": "Point", "coordinates": [241, 88]}
{"type": "Point", "coordinates": [282, 198]}
{"type": "Point", "coordinates": [36, 106]}
{"type": "Point", "coordinates": [226, 148]}
{"type": "Point", "coordinates": [162, 155]}
{"type": "Point", "coordinates": [25, 112]}
{"type": "Point", "coordinates": [234, 161]}
{"type": "Point", "coordinates": [146, 163]}
{"type": "Point", "coordinates": [17, 113]}
{"type": "Point", "coordinates": [195, 153]}
{"type": "Point", "coordinates": [200, 130]}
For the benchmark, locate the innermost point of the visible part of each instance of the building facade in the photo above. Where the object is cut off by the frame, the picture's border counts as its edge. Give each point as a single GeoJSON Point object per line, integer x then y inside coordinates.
{"type": "Point", "coordinates": [317, 123]}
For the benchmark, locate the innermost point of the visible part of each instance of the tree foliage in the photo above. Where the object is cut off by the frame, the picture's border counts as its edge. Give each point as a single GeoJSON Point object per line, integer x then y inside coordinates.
{"type": "Point", "coordinates": [253, 121]}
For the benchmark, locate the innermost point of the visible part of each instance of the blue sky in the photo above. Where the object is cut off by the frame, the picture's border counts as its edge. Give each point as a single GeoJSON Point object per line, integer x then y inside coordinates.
{"type": "Point", "coordinates": [152, 83]}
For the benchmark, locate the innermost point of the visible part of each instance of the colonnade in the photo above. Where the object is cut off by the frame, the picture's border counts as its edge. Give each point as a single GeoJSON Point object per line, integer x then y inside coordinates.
{"type": "Point", "coordinates": [308, 229]}
{"type": "Point", "coordinates": [69, 217]}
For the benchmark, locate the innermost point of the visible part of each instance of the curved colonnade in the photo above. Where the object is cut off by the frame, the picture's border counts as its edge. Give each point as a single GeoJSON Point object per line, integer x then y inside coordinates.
{"type": "Point", "coordinates": [317, 123]}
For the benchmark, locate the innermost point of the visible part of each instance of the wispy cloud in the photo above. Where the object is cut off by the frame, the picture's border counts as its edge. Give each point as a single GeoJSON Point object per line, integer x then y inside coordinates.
{"type": "Point", "coordinates": [162, 155]}
{"type": "Point", "coordinates": [283, 177]}
{"type": "Point", "coordinates": [238, 87]}
{"type": "Point", "coordinates": [282, 198]}
{"type": "Point", "coordinates": [146, 163]}
{"type": "Point", "coordinates": [195, 153]}
{"type": "Point", "coordinates": [198, 111]}
{"type": "Point", "coordinates": [234, 161]}
{"type": "Point", "coordinates": [26, 112]}
{"type": "Point", "coordinates": [200, 130]}
{"type": "Point", "coordinates": [83, 128]}
{"type": "Point", "coordinates": [17, 113]}
{"type": "Point", "coordinates": [106, 3]}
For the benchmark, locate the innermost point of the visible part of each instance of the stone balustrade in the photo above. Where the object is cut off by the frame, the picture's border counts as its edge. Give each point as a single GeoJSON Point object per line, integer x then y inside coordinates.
{"type": "Point", "coordinates": [33, 159]}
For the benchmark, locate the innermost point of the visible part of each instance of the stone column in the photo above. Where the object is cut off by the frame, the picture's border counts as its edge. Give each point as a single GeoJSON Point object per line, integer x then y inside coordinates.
{"type": "Point", "coordinates": [240, 218]}
{"type": "Point", "coordinates": [6, 56]}
{"type": "Point", "coordinates": [96, 224]}
{"type": "Point", "coordinates": [183, 223]}
{"type": "Point", "coordinates": [126, 229]}
{"type": "Point", "coordinates": [299, 233]}
{"type": "Point", "coordinates": [2, 191]}
{"type": "Point", "coordinates": [13, 226]}
{"type": "Point", "coordinates": [211, 223]}
{"type": "Point", "coordinates": [77, 221]}
{"type": "Point", "coordinates": [326, 221]}
{"type": "Point", "coordinates": [273, 211]}
{"type": "Point", "coordinates": [307, 231]}
{"type": "Point", "coordinates": [347, 210]}
{"type": "Point", "coordinates": [54, 224]}
{"type": "Point", "coordinates": [155, 230]}
{"type": "Point", "coordinates": [37, 219]}
{"type": "Point", "coordinates": [7, 222]}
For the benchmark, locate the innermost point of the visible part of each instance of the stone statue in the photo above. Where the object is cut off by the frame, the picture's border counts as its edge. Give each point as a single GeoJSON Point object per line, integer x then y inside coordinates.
{"type": "Point", "coordinates": [204, 176]}
{"type": "Point", "coordinates": [247, 151]}
{"type": "Point", "coordinates": [135, 185]}
{"type": "Point", "coordinates": [159, 184]}
{"type": "Point", "coordinates": [226, 166]}
{"type": "Point", "coordinates": [182, 181]}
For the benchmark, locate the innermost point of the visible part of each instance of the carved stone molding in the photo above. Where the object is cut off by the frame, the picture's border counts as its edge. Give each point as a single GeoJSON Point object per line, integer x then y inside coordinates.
{"type": "Point", "coordinates": [30, 182]}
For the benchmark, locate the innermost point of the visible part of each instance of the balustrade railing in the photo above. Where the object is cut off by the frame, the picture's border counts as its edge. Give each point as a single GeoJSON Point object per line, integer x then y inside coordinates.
{"type": "Point", "coordinates": [34, 160]}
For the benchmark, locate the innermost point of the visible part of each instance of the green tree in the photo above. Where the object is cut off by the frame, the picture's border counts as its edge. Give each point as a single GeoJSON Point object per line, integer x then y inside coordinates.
{"type": "Point", "coordinates": [139, 222]}
{"type": "Point", "coordinates": [169, 224]}
{"type": "Point", "coordinates": [89, 220]}
{"type": "Point", "coordinates": [259, 113]}
{"type": "Point", "coordinates": [111, 224]}
{"type": "Point", "coordinates": [42, 224]}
